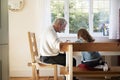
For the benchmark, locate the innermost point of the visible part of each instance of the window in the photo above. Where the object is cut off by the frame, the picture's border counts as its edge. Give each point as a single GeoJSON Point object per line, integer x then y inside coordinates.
{"type": "Point", "coordinates": [90, 14]}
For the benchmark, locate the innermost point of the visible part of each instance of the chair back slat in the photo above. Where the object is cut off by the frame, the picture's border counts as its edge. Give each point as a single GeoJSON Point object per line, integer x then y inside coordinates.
{"type": "Point", "coordinates": [33, 45]}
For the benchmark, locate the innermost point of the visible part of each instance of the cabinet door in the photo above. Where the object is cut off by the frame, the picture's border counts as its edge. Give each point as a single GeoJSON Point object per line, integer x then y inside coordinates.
{"type": "Point", "coordinates": [0, 70]}
{"type": "Point", "coordinates": [4, 56]}
{"type": "Point", "coordinates": [0, 47]}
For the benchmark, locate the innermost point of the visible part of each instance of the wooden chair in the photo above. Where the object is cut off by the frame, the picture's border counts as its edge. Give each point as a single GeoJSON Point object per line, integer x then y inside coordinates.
{"type": "Point", "coordinates": [37, 64]}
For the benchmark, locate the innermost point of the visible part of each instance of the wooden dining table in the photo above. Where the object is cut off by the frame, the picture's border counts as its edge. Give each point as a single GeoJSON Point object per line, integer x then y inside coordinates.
{"type": "Point", "coordinates": [71, 47]}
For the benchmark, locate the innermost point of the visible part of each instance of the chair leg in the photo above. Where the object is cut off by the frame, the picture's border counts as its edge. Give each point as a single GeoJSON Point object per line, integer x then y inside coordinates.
{"type": "Point", "coordinates": [33, 72]}
{"type": "Point", "coordinates": [37, 74]}
{"type": "Point", "coordinates": [55, 72]}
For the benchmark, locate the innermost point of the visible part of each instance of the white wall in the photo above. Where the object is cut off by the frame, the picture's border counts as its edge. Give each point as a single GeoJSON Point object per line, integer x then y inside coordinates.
{"type": "Point", "coordinates": [19, 24]}
{"type": "Point", "coordinates": [30, 18]}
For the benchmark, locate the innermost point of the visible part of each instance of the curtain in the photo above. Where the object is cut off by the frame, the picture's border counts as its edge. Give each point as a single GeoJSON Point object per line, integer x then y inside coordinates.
{"type": "Point", "coordinates": [114, 32]}
{"type": "Point", "coordinates": [44, 14]}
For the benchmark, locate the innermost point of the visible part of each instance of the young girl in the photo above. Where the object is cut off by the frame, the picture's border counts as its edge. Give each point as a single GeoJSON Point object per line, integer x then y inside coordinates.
{"type": "Point", "coordinates": [90, 58]}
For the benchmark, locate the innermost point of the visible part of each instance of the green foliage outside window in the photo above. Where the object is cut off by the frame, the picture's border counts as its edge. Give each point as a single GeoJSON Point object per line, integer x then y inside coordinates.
{"type": "Point", "coordinates": [78, 17]}
{"type": "Point", "coordinates": [57, 9]}
{"type": "Point", "coordinates": [78, 20]}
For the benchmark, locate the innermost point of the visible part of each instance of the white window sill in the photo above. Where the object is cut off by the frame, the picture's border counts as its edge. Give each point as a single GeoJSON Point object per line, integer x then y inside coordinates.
{"type": "Point", "coordinates": [75, 35]}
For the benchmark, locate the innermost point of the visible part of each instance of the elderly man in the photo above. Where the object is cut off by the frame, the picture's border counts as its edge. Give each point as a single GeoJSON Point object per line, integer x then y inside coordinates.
{"type": "Point", "coordinates": [49, 44]}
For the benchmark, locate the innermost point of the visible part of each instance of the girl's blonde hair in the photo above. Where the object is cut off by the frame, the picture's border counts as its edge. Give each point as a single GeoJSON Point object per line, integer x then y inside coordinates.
{"type": "Point", "coordinates": [85, 35]}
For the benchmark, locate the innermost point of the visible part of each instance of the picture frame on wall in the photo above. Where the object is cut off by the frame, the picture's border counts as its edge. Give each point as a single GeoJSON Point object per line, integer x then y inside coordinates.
{"type": "Point", "coordinates": [16, 5]}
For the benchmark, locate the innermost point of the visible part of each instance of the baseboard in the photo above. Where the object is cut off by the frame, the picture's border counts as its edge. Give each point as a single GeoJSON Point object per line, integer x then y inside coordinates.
{"type": "Point", "coordinates": [28, 73]}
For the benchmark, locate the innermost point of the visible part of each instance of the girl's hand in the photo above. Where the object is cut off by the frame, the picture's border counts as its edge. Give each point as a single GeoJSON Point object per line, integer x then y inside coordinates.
{"type": "Point", "coordinates": [67, 41]}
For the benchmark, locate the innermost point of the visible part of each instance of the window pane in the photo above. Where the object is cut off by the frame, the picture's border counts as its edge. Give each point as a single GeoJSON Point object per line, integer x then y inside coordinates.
{"type": "Point", "coordinates": [79, 12]}
{"type": "Point", "coordinates": [57, 8]}
{"type": "Point", "coordinates": [101, 16]}
{"type": "Point", "coordinates": [78, 15]}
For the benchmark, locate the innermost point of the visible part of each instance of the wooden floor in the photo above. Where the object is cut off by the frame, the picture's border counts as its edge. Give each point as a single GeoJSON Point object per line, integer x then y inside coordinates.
{"type": "Point", "coordinates": [61, 78]}
{"type": "Point", "coordinates": [27, 78]}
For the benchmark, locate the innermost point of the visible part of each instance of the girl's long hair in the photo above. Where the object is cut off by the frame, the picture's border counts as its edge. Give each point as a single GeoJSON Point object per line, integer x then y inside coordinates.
{"type": "Point", "coordinates": [85, 35]}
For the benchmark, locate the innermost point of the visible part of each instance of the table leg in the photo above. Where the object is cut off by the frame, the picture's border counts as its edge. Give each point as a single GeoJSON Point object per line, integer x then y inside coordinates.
{"type": "Point", "coordinates": [69, 62]}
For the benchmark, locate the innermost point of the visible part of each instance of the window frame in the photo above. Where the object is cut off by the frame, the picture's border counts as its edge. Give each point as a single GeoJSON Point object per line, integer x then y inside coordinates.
{"type": "Point", "coordinates": [91, 14]}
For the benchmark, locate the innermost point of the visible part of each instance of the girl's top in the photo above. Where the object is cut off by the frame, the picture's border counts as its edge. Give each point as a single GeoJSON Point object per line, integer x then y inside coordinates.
{"type": "Point", "coordinates": [89, 56]}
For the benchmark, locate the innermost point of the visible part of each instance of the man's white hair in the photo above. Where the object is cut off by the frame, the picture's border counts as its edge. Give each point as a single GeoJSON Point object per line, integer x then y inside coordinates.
{"type": "Point", "coordinates": [61, 21]}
